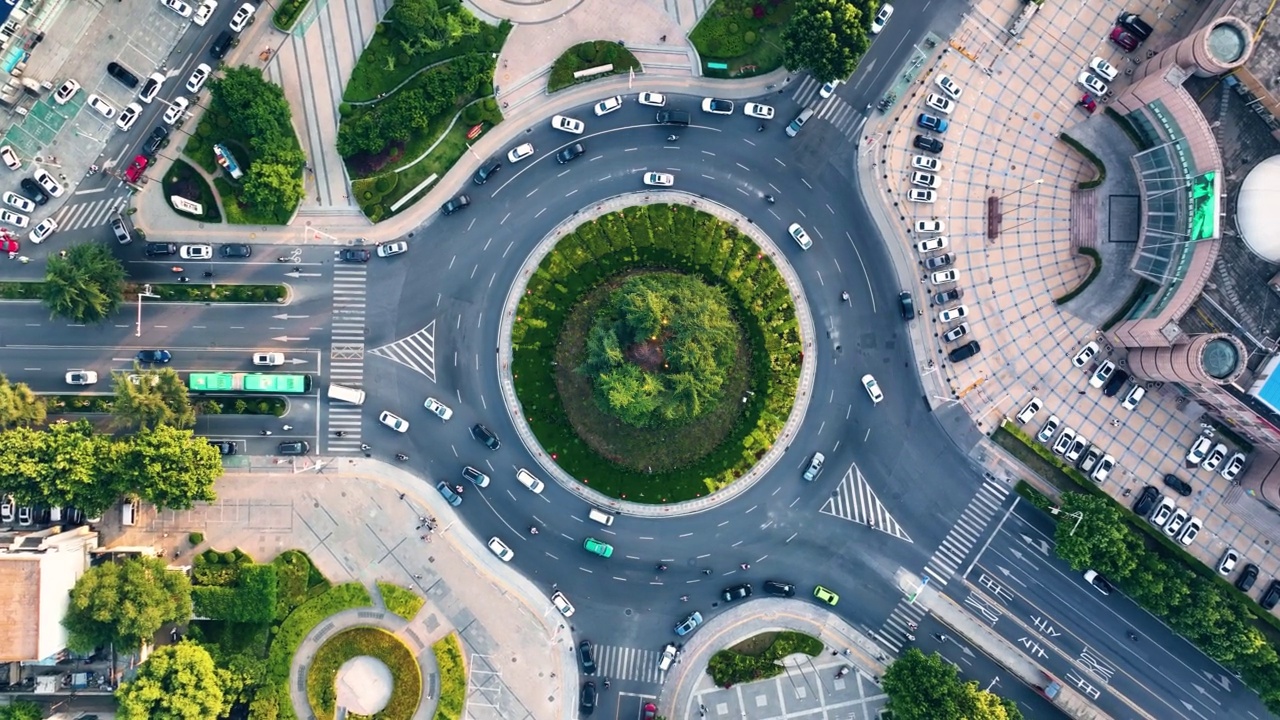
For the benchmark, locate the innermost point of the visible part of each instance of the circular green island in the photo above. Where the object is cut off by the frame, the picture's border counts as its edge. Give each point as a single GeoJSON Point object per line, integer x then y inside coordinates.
{"type": "Point", "coordinates": [656, 353]}
{"type": "Point", "coordinates": [365, 643]}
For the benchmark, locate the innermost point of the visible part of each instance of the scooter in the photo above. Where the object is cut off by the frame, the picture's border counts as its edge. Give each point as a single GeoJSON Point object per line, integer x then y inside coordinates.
{"type": "Point", "coordinates": [768, 199]}
{"type": "Point", "coordinates": [672, 138]}
{"type": "Point", "coordinates": [401, 457]}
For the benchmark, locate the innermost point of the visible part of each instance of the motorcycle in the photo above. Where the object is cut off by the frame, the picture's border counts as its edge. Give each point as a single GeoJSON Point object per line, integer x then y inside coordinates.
{"type": "Point", "coordinates": [672, 138]}
{"type": "Point", "coordinates": [768, 199]}
{"type": "Point", "coordinates": [401, 457]}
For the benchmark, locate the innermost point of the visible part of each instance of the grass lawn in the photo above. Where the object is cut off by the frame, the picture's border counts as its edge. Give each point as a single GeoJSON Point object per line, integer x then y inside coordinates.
{"type": "Point", "coordinates": [401, 601]}
{"type": "Point", "coordinates": [1027, 453]}
{"type": "Point", "coordinates": [288, 13]}
{"type": "Point", "coordinates": [453, 677]}
{"type": "Point", "coordinates": [640, 448]}
{"type": "Point", "coordinates": [238, 214]}
{"type": "Point", "coordinates": [744, 34]}
{"type": "Point", "coordinates": [406, 691]}
{"type": "Point", "coordinates": [185, 181]}
{"type": "Point", "coordinates": [289, 634]}
{"type": "Point", "coordinates": [757, 657]}
{"type": "Point", "coordinates": [199, 148]}
{"type": "Point", "coordinates": [584, 56]}
{"type": "Point", "coordinates": [383, 65]}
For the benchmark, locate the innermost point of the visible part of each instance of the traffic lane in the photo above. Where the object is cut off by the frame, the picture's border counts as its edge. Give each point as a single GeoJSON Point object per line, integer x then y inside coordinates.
{"type": "Point", "coordinates": [45, 368]}
{"type": "Point", "coordinates": [238, 272]}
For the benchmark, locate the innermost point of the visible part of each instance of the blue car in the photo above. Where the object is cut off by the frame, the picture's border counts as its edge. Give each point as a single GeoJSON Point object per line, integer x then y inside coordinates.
{"type": "Point", "coordinates": [929, 122]}
{"type": "Point", "coordinates": [691, 622]}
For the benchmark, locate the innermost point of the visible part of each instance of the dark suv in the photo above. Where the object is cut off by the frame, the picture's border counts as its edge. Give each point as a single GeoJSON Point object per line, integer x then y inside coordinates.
{"type": "Point", "coordinates": [454, 205]}
{"type": "Point", "coordinates": [907, 305]}
{"type": "Point", "coordinates": [486, 436]}
{"type": "Point", "coordinates": [569, 153]}
{"type": "Point", "coordinates": [1244, 583]}
{"type": "Point", "coordinates": [222, 45]}
{"type": "Point", "coordinates": [121, 73]}
{"type": "Point", "coordinates": [585, 657]}
{"type": "Point", "coordinates": [933, 145]}
{"type": "Point", "coordinates": [296, 447]}
{"type": "Point", "coordinates": [354, 255]}
{"type": "Point", "coordinates": [737, 592]}
{"type": "Point", "coordinates": [1271, 596]}
{"type": "Point", "coordinates": [156, 141]}
{"type": "Point", "coordinates": [964, 352]}
{"type": "Point", "coordinates": [1116, 383]}
{"type": "Point", "coordinates": [1146, 501]}
{"type": "Point", "coordinates": [780, 589]}
{"type": "Point", "coordinates": [1177, 483]}
{"type": "Point", "coordinates": [34, 191]}
{"type": "Point", "coordinates": [159, 249]}
{"type": "Point", "coordinates": [486, 171]}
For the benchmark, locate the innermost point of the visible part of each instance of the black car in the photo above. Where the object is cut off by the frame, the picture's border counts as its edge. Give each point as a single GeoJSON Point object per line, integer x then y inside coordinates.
{"type": "Point", "coordinates": [1182, 486]}
{"type": "Point", "coordinates": [220, 46]}
{"type": "Point", "coordinates": [587, 700]}
{"type": "Point", "coordinates": [486, 436]}
{"type": "Point", "coordinates": [225, 447]}
{"type": "Point", "coordinates": [965, 351]}
{"type": "Point", "coordinates": [235, 250]}
{"type": "Point", "coordinates": [907, 305]}
{"type": "Point", "coordinates": [159, 249]}
{"type": "Point", "coordinates": [486, 171]}
{"type": "Point", "coordinates": [928, 144]}
{"type": "Point", "coordinates": [1271, 596]}
{"type": "Point", "coordinates": [121, 73]}
{"type": "Point", "coordinates": [454, 205]}
{"type": "Point", "coordinates": [737, 592]}
{"type": "Point", "coordinates": [1116, 383]}
{"type": "Point", "coordinates": [947, 296]}
{"type": "Point", "coordinates": [1146, 501]}
{"type": "Point", "coordinates": [153, 356]}
{"type": "Point", "coordinates": [158, 136]}
{"type": "Point", "coordinates": [779, 588]}
{"type": "Point", "coordinates": [569, 153]}
{"type": "Point", "coordinates": [354, 255]}
{"type": "Point", "coordinates": [34, 191]}
{"type": "Point", "coordinates": [1244, 583]}
{"type": "Point", "coordinates": [296, 447]}
{"type": "Point", "coordinates": [939, 261]}
{"type": "Point", "coordinates": [585, 657]}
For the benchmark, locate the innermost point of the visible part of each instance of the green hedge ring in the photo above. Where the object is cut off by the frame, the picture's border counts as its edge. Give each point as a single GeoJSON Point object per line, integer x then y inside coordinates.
{"type": "Point", "coordinates": [382, 647]}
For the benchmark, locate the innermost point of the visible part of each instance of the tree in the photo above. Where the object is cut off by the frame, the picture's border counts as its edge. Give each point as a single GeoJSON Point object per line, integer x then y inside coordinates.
{"type": "Point", "coordinates": [168, 467]}
{"type": "Point", "coordinates": [146, 399]}
{"type": "Point", "coordinates": [21, 710]}
{"type": "Point", "coordinates": [926, 687]}
{"type": "Point", "coordinates": [828, 37]}
{"type": "Point", "coordinates": [176, 682]}
{"type": "Point", "coordinates": [126, 603]}
{"type": "Point", "coordinates": [18, 405]}
{"type": "Point", "coordinates": [61, 465]}
{"type": "Point", "coordinates": [86, 286]}
{"type": "Point", "coordinates": [272, 186]}
{"type": "Point", "coordinates": [1103, 540]}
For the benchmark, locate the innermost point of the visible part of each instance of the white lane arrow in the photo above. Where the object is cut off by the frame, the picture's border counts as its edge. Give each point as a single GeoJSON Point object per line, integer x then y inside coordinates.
{"type": "Point", "coordinates": [295, 361]}
{"type": "Point", "coordinates": [302, 274]}
{"type": "Point", "coordinates": [287, 316]}
{"type": "Point", "coordinates": [286, 338]}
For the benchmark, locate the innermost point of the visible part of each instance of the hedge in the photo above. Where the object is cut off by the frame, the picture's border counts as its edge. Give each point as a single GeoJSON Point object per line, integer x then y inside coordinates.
{"type": "Point", "coordinates": [406, 688]}
{"type": "Point", "coordinates": [298, 581]}
{"type": "Point", "coordinates": [729, 667]}
{"type": "Point", "coordinates": [401, 601]}
{"type": "Point", "coordinates": [671, 237]}
{"type": "Point", "coordinates": [287, 14]}
{"type": "Point", "coordinates": [587, 55]}
{"type": "Point", "coordinates": [1088, 155]}
{"type": "Point", "coordinates": [1126, 126]}
{"type": "Point", "coordinates": [252, 600]}
{"type": "Point", "coordinates": [453, 677]}
{"type": "Point", "coordinates": [287, 638]}
{"type": "Point", "coordinates": [1093, 274]}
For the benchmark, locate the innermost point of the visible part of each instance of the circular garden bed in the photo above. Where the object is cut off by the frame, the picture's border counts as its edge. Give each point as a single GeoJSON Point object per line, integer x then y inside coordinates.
{"type": "Point", "coordinates": [406, 676]}
{"type": "Point", "coordinates": [656, 353]}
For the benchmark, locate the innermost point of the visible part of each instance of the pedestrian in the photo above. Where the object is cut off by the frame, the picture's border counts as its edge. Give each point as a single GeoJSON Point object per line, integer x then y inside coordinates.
{"type": "Point", "coordinates": [417, 577]}
{"type": "Point", "coordinates": [401, 496]}
{"type": "Point", "coordinates": [662, 39]}
{"type": "Point", "coordinates": [62, 253]}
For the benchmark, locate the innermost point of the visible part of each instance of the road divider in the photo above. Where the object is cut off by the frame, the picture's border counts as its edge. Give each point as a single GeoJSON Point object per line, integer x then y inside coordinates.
{"type": "Point", "coordinates": [171, 292]}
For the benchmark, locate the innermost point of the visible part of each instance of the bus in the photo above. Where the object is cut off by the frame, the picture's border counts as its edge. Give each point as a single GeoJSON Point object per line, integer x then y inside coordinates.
{"type": "Point", "coordinates": [264, 383]}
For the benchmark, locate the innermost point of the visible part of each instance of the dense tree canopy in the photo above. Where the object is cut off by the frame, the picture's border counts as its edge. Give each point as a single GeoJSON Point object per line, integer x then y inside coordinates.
{"type": "Point", "coordinates": [86, 286]}
{"type": "Point", "coordinates": [660, 348]}
{"type": "Point", "coordinates": [168, 467]}
{"type": "Point", "coordinates": [828, 37]}
{"type": "Point", "coordinates": [125, 603]}
{"type": "Point", "coordinates": [177, 682]}
{"type": "Point", "coordinates": [274, 177]}
{"type": "Point", "coordinates": [926, 687]}
{"type": "Point", "coordinates": [21, 710]}
{"type": "Point", "coordinates": [148, 398]}
{"type": "Point", "coordinates": [19, 406]}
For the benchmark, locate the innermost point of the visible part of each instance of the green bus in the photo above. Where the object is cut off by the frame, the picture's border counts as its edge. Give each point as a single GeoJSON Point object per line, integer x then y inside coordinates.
{"type": "Point", "coordinates": [265, 383]}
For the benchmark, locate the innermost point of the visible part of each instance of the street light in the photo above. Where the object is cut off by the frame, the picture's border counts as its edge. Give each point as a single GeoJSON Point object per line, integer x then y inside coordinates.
{"type": "Point", "coordinates": [1024, 187]}
{"type": "Point", "coordinates": [1077, 515]}
{"type": "Point", "coordinates": [145, 292]}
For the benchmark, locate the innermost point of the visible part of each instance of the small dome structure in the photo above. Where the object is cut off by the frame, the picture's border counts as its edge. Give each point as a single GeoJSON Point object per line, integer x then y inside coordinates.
{"type": "Point", "coordinates": [1255, 209]}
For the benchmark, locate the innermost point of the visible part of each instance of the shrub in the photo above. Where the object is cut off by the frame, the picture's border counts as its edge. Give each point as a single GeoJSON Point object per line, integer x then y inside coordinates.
{"type": "Point", "coordinates": [453, 677]}
{"type": "Point", "coordinates": [730, 667]}
{"type": "Point", "coordinates": [588, 55]}
{"type": "Point", "coordinates": [401, 601]}
{"type": "Point", "coordinates": [284, 645]}
{"type": "Point", "coordinates": [196, 538]}
{"type": "Point", "coordinates": [1098, 165]}
{"type": "Point", "coordinates": [1093, 275]}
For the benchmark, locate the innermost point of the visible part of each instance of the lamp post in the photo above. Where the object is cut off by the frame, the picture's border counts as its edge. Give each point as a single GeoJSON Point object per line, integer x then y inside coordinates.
{"type": "Point", "coordinates": [1024, 187]}
{"type": "Point", "coordinates": [1077, 515]}
{"type": "Point", "coordinates": [145, 292]}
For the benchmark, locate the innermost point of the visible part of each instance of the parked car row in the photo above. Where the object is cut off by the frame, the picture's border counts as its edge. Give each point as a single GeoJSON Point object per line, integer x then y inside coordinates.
{"type": "Point", "coordinates": [28, 515]}
{"type": "Point", "coordinates": [1166, 515]}
{"type": "Point", "coordinates": [1088, 458]}
{"type": "Point", "coordinates": [1210, 456]}
{"type": "Point", "coordinates": [1130, 31]}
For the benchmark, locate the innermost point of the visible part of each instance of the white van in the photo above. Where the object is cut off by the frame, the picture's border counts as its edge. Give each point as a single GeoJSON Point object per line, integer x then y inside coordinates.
{"type": "Point", "coordinates": [129, 513]}
{"type": "Point", "coordinates": [355, 396]}
{"type": "Point", "coordinates": [601, 517]}
{"type": "Point", "coordinates": [527, 479]}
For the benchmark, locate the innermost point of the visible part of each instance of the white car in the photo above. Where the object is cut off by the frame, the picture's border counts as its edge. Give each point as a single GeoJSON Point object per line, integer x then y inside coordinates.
{"type": "Point", "coordinates": [437, 408]}
{"type": "Point", "coordinates": [520, 152]}
{"type": "Point", "coordinates": [67, 91]}
{"type": "Point", "coordinates": [177, 108]}
{"type": "Point", "coordinates": [1233, 467]}
{"type": "Point", "coordinates": [716, 106]}
{"type": "Point", "coordinates": [1104, 373]}
{"type": "Point", "coordinates": [1198, 452]}
{"type": "Point", "coordinates": [1103, 69]}
{"type": "Point", "coordinates": [942, 277]}
{"type": "Point", "coordinates": [1064, 441]}
{"type": "Point", "coordinates": [922, 196]}
{"type": "Point", "coordinates": [1092, 83]}
{"type": "Point", "coordinates": [392, 249]}
{"type": "Point", "coordinates": [608, 105]}
{"type": "Point", "coordinates": [1050, 428]}
{"type": "Point", "coordinates": [1162, 513]}
{"type": "Point", "coordinates": [1029, 410]}
{"type": "Point", "coordinates": [873, 388]}
{"type": "Point", "coordinates": [935, 243]}
{"type": "Point", "coordinates": [958, 312]}
{"type": "Point", "coordinates": [1216, 456]}
{"type": "Point", "coordinates": [42, 231]}
{"type": "Point", "coordinates": [948, 86]}
{"type": "Point", "coordinates": [18, 201]}
{"type": "Point", "coordinates": [923, 179]}
{"type": "Point", "coordinates": [129, 116]}
{"type": "Point", "coordinates": [928, 164]}
{"type": "Point", "coordinates": [1136, 393]}
{"type": "Point", "coordinates": [1105, 465]}
{"type": "Point", "coordinates": [268, 359]}
{"type": "Point", "coordinates": [828, 89]}
{"type": "Point", "coordinates": [881, 19]}
{"type": "Point", "coordinates": [195, 252]}
{"type": "Point", "coordinates": [562, 603]}
{"type": "Point", "coordinates": [151, 88]}
{"type": "Point", "coordinates": [393, 421]}
{"type": "Point", "coordinates": [243, 16]}
{"type": "Point", "coordinates": [10, 158]}
{"type": "Point", "coordinates": [500, 549]}
{"type": "Point", "coordinates": [47, 182]}
{"type": "Point", "coordinates": [652, 99]}
{"type": "Point", "coordinates": [1176, 522]}
{"type": "Point", "coordinates": [198, 77]}
{"type": "Point", "coordinates": [568, 124]}
{"type": "Point", "coordinates": [1228, 562]}
{"type": "Point", "coordinates": [102, 107]}
{"type": "Point", "coordinates": [658, 179]}
{"type": "Point", "coordinates": [1190, 531]}
{"type": "Point", "coordinates": [756, 110]}
{"type": "Point", "coordinates": [930, 226]}
{"type": "Point", "coordinates": [177, 6]}
{"type": "Point", "coordinates": [204, 12]}
{"type": "Point", "coordinates": [1086, 353]}
{"type": "Point", "coordinates": [941, 104]}
{"type": "Point", "coordinates": [801, 237]}
{"type": "Point", "coordinates": [82, 377]}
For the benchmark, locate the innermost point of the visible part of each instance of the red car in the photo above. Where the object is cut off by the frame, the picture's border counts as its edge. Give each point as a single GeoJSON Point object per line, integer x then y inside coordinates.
{"type": "Point", "coordinates": [8, 245]}
{"type": "Point", "coordinates": [650, 712]}
{"type": "Point", "coordinates": [1126, 40]}
{"type": "Point", "coordinates": [135, 170]}
{"type": "Point", "coordinates": [1088, 103]}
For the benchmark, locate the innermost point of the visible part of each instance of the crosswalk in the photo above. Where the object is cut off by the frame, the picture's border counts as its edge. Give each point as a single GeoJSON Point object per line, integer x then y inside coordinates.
{"type": "Point", "coordinates": [834, 110]}
{"type": "Point", "coordinates": [92, 213]}
{"type": "Point", "coordinates": [948, 558]}
{"type": "Point", "coordinates": [627, 663]}
{"type": "Point", "coordinates": [416, 352]}
{"type": "Point", "coordinates": [346, 354]}
{"type": "Point", "coordinates": [855, 500]}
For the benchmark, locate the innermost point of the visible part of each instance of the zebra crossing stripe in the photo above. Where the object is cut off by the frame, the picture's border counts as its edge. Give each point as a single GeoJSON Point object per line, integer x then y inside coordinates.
{"type": "Point", "coordinates": [856, 501]}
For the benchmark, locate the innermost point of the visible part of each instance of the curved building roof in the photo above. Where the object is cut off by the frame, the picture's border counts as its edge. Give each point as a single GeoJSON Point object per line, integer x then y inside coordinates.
{"type": "Point", "coordinates": [1255, 207]}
